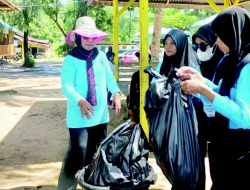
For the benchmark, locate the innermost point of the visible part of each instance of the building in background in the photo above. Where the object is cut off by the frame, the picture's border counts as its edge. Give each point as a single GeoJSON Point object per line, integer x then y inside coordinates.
{"type": "Point", "coordinates": [35, 46]}
{"type": "Point", "coordinates": [7, 45]}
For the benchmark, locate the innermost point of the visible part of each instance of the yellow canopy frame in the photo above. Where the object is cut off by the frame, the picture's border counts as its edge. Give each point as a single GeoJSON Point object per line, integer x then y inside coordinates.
{"type": "Point", "coordinates": [143, 8]}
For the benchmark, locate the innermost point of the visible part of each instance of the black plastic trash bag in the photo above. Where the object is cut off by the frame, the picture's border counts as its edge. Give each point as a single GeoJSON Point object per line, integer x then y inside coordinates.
{"type": "Point", "coordinates": [173, 131]}
{"type": "Point", "coordinates": [121, 160]}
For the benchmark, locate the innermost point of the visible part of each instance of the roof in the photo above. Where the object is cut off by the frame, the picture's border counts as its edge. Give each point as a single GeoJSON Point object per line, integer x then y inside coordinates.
{"type": "Point", "coordinates": [5, 25]}
{"type": "Point", "coordinates": [177, 4]}
{"type": "Point", "coordinates": [151, 30]}
{"type": "Point", "coordinates": [5, 5]}
{"type": "Point", "coordinates": [32, 40]}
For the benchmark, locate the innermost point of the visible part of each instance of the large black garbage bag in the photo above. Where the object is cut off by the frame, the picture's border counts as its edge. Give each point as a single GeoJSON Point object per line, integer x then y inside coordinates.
{"type": "Point", "coordinates": [121, 159]}
{"type": "Point", "coordinates": [173, 131]}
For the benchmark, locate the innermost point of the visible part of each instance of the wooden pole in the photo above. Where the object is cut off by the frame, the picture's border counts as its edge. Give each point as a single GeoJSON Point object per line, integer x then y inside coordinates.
{"type": "Point", "coordinates": [236, 3]}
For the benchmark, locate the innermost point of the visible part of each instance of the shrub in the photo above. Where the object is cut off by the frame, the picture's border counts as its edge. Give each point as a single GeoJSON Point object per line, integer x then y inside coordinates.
{"type": "Point", "coordinates": [31, 63]}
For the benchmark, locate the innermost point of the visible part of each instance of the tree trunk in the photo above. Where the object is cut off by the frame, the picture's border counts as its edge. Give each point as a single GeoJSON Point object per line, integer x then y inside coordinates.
{"type": "Point", "coordinates": [25, 37]}
{"type": "Point", "coordinates": [26, 48]}
{"type": "Point", "coordinates": [155, 46]}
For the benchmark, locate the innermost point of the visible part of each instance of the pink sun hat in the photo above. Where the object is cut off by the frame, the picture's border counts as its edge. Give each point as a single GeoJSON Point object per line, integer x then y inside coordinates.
{"type": "Point", "coordinates": [85, 26]}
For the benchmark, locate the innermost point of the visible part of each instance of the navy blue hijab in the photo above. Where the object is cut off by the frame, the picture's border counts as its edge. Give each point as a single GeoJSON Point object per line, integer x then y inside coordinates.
{"type": "Point", "coordinates": [80, 53]}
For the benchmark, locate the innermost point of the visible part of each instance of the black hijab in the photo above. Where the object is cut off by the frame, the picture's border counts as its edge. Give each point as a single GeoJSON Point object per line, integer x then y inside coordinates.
{"type": "Point", "coordinates": [232, 26]}
{"type": "Point", "coordinates": [185, 54]}
{"type": "Point", "coordinates": [208, 67]}
{"type": "Point", "coordinates": [80, 53]}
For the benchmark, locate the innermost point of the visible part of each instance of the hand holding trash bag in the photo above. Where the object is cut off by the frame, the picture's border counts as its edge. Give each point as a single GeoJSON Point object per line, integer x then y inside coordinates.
{"type": "Point", "coordinates": [193, 85]}
{"type": "Point", "coordinates": [186, 72]}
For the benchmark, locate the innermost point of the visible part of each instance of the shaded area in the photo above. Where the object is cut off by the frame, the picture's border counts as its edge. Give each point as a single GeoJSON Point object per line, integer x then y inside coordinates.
{"type": "Point", "coordinates": [34, 134]}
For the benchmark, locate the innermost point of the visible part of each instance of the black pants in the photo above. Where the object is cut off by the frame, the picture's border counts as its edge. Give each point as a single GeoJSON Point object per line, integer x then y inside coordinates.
{"type": "Point", "coordinates": [229, 169]}
{"type": "Point", "coordinates": [82, 147]}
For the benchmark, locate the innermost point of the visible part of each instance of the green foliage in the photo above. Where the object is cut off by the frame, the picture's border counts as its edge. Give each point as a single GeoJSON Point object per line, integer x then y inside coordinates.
{"type": "Point", "coordinates": [203, 13]}
{"type": "Point", "coordinates": [62, 49]}
{"type": "Point", "coordinates": [178, 19]}
{"type": "Point", "coordinates": [30, 63]}
{"type": "Point", "coordinates": [45, 29]}
{"type": "Point", "coordinates": [2, 35]}
{"type": "Point", "coordinates": [54, 22]}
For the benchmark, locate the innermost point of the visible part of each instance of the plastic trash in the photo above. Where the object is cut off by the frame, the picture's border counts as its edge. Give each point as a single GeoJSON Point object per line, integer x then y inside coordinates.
{"type": "Point", "coordinates": [120, 162]}
{"type": "Point", "coordinates": [173, 131]}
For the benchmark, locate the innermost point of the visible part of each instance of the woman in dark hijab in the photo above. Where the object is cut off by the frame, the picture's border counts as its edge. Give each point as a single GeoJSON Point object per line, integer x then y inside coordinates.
{"type": "Point", "coordinates": [229, 150]}
{"type": "Point", "coordinates": [177, 53]}
{"type": "Point", "coordinates": [204, 43]}
{"type": "Point", "coordinates": [211, 67]}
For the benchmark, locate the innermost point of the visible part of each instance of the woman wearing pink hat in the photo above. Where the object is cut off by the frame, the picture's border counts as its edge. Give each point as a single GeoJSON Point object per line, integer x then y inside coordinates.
{"type": "Point", "coordinates": [85, 76]}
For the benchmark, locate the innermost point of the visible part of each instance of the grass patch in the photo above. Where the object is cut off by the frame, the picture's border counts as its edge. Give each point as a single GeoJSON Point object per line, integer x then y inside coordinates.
{"type": "Point", "coordinates": [8, 92]}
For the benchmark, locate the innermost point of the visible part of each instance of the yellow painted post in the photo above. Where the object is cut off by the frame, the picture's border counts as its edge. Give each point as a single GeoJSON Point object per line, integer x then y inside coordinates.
{"type": "Point", "coordinates": [22, 50]}
{"type": "Point", "coordinates": [226, 4]}
{"type": "Point", "coordinates": [125, 7]}
{"type": "Point", "coordinates": [236, 3]}
{"type": "Point", "coordinates": [115, 37]}
{"type": "Point", "coordinates": [214, 6]}
{"type": "Point", "coordinates": [143, 4]}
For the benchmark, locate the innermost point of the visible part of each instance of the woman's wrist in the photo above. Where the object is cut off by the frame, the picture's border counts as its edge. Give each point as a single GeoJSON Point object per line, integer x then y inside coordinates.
{"type": "Point", "coordinates": [207, 92]}
{"type": "Point", "coordinates": [118, 93]}
{"type": "Point", "coordinates": [81, 101]}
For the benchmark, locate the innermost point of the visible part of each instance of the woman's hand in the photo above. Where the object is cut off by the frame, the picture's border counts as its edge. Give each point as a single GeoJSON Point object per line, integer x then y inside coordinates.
{"type": "Point", "coordinates": [193, 85]}
{"type": "Point", "coordinates": [117, 103]}
{"type": "Point", "coordinates": [86, 108]}
{"type": "Point", "coordinates": [186, 72]}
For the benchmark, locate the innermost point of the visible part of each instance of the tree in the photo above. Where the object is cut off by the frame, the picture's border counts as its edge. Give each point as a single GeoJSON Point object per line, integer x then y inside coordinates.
{"type": "Point", "coordinates": [22, 20]}
{"type": "Point", "coordinates": [128, 24]}
{"type": "Point", "coordinates": [53, 13]}
{"type": "Point", "coordinates": [178, 19]}
{"type": "Point", "coordinates": [155, 47]}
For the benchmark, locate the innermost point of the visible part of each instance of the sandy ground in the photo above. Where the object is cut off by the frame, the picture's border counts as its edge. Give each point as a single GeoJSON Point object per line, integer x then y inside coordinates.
{"type": "Point", "coordinates": [33, 133]}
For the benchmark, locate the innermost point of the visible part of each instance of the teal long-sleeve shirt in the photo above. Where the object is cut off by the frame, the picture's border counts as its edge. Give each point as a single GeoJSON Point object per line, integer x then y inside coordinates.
{"type": "Point", "coordinates": [236, 107]}
{"type": "Point", "coordinates": [75, 86]}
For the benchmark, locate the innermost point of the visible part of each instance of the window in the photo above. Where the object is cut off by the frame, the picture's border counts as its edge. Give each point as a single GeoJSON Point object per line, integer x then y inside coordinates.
{"type": "Point", "coordinates": [41, 50]}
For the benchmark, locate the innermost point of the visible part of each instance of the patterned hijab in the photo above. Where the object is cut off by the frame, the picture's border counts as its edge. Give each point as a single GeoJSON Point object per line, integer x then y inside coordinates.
{"type": "Point", "coordinates": [80, 53]}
